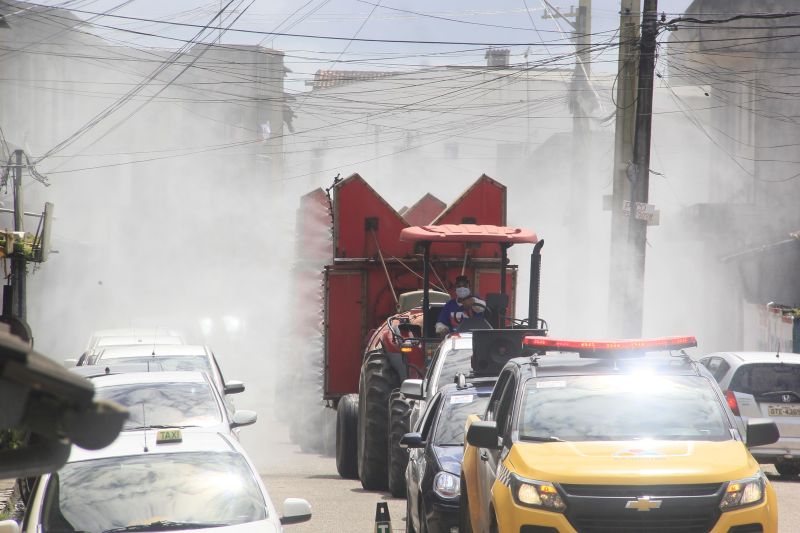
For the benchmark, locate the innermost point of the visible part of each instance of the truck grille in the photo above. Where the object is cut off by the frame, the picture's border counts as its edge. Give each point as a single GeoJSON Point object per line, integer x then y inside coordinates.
{"type": "Point", "coordinates": [635, 491]}
{"type": "Point", "coordinates": [682, 508]}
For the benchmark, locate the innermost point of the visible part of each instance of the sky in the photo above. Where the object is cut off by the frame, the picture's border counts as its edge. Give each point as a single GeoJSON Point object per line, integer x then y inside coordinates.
{"type": "Point", "coordinates": [465, 21]}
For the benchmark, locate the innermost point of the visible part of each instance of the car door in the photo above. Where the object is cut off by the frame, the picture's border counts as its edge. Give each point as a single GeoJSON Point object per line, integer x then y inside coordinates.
{"type": "Point", "coordinates": [498, 410]}
{"type": "Point", "coordinates": [417, 458]}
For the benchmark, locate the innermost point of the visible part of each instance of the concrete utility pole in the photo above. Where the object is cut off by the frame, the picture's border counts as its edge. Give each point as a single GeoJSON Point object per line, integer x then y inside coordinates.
{"type": "Point", "coordinates": [18, 266]}
{"type": "Point", "coordinates": [618, 309]}
{"type": "Point", "coordinates": [640, 184]}
{"type": "Point", "coordinates": [639, 175]}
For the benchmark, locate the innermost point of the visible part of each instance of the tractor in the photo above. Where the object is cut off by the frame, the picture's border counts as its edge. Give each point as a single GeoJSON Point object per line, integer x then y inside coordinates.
{"type": "Point", "coordinates": [391, 273]}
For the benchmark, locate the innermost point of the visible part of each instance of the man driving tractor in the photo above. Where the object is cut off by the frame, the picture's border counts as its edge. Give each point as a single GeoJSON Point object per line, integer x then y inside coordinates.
{"type": "Point", "coordinates": [464, 305]}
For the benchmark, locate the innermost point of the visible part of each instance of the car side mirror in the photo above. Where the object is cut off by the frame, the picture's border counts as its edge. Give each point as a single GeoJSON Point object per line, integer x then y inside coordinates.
{"type": "Point", "coordinates": [412, 389]}
{"type": "Point", "coordinates": [483, 435]}
{"type": "Point", "coordinates": [243, 418]}
{"type": "Point", "coordinates": [412, 440]}
{"type": "Point", "coordinates": [234, 387]}
{"type": "Point", "coordinates": [70, 363]}
{"type": "Point", "coordinates": [761, 431]}
{"type": "Point", "coordinates": [9, 526]}
{"type": "Point", "coordinates": [295, 510]}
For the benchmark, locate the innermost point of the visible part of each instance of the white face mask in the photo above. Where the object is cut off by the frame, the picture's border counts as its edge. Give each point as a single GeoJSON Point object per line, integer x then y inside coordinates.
{"type": "Point", "coordinates": [462, 292]}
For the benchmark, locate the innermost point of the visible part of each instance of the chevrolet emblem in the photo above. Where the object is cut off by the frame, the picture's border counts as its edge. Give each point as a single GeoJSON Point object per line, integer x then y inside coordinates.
{"type": "Point", "coordinates": [643, 504]}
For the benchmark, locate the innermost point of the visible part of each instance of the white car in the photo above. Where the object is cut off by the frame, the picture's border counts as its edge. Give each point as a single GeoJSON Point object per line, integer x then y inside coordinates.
{"type": "Point", "coordinates": [125, 337]}
{"type": "Point", "coordinates": [167, 400]}
{"type": "Point", "coordinates": [165, 480]}
{"type": "Point", "coordinates": [764, 385]}
{"type": "Point", "coordinates": [169, 357]}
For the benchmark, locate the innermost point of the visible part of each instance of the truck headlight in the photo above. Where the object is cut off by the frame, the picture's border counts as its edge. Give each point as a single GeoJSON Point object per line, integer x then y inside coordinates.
{"type": "Point", "coordinates": [446, 485]}
{"type": "Point", "coordinates": [533, 493]}
{"type": "Point", "coordinates": [743, 492]}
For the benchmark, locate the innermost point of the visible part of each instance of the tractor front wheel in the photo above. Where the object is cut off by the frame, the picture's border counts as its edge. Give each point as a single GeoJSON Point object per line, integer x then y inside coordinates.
{"type": "Point", "coordinates": [399, 416]}
{"type": "Point", "coordinates": [378, 380]}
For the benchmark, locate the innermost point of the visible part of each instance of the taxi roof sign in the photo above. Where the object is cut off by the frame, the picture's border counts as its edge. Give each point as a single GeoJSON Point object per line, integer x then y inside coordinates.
{"type": "Point", "coordinates": [169, 435]}
{"type": "Point", "coordinates": [609, 347]}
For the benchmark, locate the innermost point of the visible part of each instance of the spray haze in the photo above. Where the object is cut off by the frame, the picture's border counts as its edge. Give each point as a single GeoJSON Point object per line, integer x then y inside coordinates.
{"type": "Point", "coordinates": [180, 209]}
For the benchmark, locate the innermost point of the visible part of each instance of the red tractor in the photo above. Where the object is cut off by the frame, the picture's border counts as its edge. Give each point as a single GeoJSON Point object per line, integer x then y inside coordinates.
{"type": "Point", "coordinates": [390, 276]}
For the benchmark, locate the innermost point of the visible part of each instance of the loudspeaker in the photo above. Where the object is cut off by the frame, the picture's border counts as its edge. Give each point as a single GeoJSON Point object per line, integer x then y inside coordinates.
{"type": "Point", "coordinates": [493, 348]}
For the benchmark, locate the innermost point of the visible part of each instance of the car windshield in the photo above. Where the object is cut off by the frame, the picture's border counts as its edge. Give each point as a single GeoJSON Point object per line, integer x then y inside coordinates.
{"type": "Point", "coordinates": [152, 493]}
{"type": "Point", "coordinates": [166, 362]}
{"type": "Point", "coordinates": [455, 361]}
{"type": "Point", "coordinates": [454, 412]}
{"type": "Point", "coordinates": [165, 404]}
{"type": "Point", "coordinates": [622, 407]}
{"type": "Point", "coordinates": [759, 379]}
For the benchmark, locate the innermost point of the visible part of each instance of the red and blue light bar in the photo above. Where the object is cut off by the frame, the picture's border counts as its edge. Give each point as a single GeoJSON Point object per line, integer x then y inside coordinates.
{"type": "Point", "coordinates": [623, 345]}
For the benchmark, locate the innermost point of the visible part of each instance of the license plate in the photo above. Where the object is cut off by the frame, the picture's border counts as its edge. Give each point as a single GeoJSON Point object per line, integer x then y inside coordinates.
{"type": "Point", "coordinates": [777, 409]}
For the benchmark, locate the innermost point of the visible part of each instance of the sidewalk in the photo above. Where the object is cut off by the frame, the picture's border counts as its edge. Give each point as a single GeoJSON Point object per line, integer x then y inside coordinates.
{"type": "Point", "coordinates": [6, 494]}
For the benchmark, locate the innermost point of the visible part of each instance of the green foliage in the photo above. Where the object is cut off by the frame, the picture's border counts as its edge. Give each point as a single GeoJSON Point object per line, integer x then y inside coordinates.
{"type": "Point", "coordinates": [11, 439]}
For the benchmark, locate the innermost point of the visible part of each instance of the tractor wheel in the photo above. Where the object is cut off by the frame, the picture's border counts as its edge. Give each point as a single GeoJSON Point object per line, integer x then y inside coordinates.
{"type": "Point", "coordinates": [399, 415]}
{"type": "Point", "coordinates": [347, 436]}
{"type": "Point", "coordinates": [378, 379]}
{"type": "Point", "coordinates": [787, 469]}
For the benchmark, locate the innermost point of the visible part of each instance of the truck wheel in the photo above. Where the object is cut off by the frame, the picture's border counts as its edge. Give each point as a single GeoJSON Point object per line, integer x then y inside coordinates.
{"type": "Point", "coordinates": [464, 521]}
{"type": "Point", "coordinates": [347, 436]}
{"type": "Point", "coordinates": [399, 415]}
{"type": "Point", "coordinates": [378, 379]}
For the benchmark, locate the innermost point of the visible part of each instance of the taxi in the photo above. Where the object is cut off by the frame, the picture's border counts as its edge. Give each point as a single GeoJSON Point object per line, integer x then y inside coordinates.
{"type": "Point", "coordinates": [165, 480]}
{"type": "Point", "coordinates": [612, 437]}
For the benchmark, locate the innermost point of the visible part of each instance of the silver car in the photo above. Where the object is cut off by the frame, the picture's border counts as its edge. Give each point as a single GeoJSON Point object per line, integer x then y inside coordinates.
{"type": "Point", "coordinates": [764, 385]}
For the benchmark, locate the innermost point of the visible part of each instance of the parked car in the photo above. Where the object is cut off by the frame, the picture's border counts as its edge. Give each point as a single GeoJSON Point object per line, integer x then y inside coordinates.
{"type": "Point", "coordinates": [171, 357]}
{"type": "Point", "coordinates": [764, 384]}
{"type": "Point", "coordinates": [167, 399]}
{"type": "Point", "coordinates": [165, 480]}
{"type": "Point", "coordinates": [435, 449]}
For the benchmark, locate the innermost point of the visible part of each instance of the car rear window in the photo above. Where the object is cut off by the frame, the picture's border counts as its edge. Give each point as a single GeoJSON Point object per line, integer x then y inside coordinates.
{"type": "Point", "coordinates": [762, 378]}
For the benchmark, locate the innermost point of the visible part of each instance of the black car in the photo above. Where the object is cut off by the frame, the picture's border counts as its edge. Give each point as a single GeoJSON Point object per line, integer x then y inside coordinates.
{"type": "Point", "coordinates": [435, 451]}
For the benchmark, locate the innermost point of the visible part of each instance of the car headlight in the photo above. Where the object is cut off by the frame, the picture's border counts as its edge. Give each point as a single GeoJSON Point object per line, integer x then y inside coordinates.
{"type": "Point", "coordinates": [540, 494]}
{"type": "Point", "coordinates": [446, 485]}
{"type": "Point", "coordinates": [743, 492]}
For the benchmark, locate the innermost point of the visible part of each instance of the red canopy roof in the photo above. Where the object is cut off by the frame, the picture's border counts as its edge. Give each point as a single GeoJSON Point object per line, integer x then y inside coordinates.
{"type": "Point", "coordinates": [468, 233]}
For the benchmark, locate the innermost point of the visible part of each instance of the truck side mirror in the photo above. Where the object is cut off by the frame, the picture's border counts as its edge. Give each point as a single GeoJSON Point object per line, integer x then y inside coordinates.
{"type": "Point", "coordinates": [761, 431]}
{"type": "Point", "coordinates": [483, 435]}
{"type": "Point", "coordinates": [412, 389]}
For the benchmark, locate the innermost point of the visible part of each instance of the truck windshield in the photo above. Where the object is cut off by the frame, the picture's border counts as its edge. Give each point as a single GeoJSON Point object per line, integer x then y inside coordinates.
{"type": "Point", "coordinates": [622, 407]}
{"type": "Point", "coordinates": [455, 362]}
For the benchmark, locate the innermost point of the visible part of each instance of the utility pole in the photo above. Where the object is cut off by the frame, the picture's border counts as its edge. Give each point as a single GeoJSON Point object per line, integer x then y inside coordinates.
{"type": "Point", "coordinates": [618, 308]}
{"type": "Point", "coordinates": [639, 175]}
{"type": "Point", "coordinates": [18, 266]}
{"type": "Point", "coordinates": [640, 184]}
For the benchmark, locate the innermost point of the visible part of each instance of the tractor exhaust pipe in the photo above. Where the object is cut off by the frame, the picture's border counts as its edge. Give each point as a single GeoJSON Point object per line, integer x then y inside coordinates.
{"type": "Point", "coordinates": [533, 294]}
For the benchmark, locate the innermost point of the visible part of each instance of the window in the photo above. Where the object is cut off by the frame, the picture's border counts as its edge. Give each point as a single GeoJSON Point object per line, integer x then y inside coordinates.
{"type": "Point", "coordinates": [718, 367]}
{"type": "Point", "coordinates": [427, 419]}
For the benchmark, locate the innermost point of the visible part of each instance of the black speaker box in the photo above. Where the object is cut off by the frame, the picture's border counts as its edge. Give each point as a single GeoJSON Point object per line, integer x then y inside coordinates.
{"type": "Point", "coordinates": [493, 348]}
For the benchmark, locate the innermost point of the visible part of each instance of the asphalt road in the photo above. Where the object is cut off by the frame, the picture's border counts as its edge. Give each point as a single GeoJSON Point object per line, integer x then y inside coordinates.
{"type": "Point", "coordinates": [341, 505]}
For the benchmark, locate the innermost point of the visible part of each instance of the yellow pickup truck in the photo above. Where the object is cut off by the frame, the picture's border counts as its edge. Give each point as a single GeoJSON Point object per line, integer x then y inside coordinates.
{"type": "Point", "coordinates": [609, 437]}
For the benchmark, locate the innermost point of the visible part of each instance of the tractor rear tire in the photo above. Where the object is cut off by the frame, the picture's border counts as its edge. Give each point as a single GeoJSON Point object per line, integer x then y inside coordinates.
{"type": "Point", "coordinates": [378, 380]}
{"type": "Point", "coordinates": [347, 436]}
{"type": "Point", "coordinates": [399, 420]}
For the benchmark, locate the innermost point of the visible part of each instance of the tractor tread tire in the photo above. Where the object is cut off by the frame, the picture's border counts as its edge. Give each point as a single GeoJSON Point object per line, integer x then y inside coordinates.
{"type": "Point", "coordinates": [347, 436]}
{"type": "Point", "coordinates": [378, 380]}
{"type": "Point", "coordinates": [399, 421]}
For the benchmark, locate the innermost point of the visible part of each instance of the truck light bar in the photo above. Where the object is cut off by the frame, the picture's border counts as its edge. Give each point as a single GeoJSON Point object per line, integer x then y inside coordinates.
{"type": "Point", "coordinates": [583, 346]}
